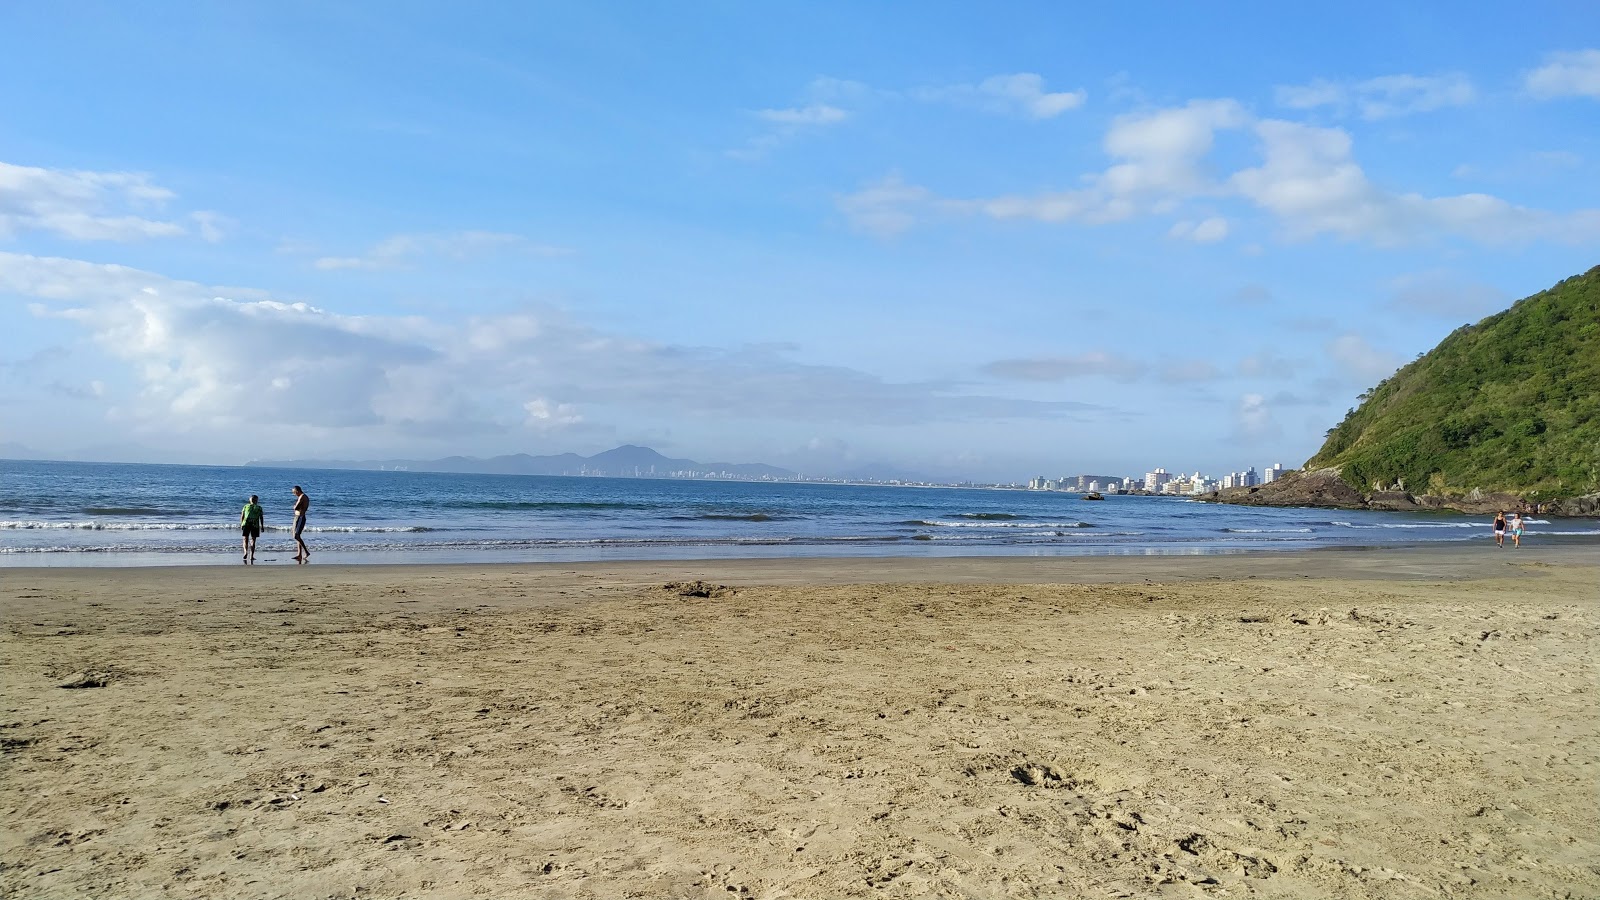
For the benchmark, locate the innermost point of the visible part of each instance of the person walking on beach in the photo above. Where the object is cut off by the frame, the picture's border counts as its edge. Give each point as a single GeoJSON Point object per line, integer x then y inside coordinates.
{"type": "Point", "coordinates": [251, 518]}
{"type": "Point", "coordinates": [302, 504]}
{"type": "Point", "coordinates": [1516, 530]}
{"type": "Point", "coordinates": [1500, 529]}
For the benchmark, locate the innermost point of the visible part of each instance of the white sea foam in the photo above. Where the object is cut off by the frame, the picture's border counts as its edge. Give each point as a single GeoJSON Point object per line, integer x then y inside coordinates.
{"type": "Point", "coordinates": [945, 523]}
{"type": "Point", "coordinates": [200, 526]}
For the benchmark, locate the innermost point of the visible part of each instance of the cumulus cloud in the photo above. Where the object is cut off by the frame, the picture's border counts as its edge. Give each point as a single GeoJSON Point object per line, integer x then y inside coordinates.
{"type": "Point", "coordinates": [1093, 364]}
{"type": "Point", "coordinates": [815, 114]}
{"type": "Point", "coordinates": [1385, 97]}
{"type": "Point", "coordinates": [888, 206]}
{"type": "Point", "coordinates": [82, 205]}
{"type": "Point", "coordinates": [206, 358]}
{"type": "Point", "coordinates": [784, 124]}
{"type": "Point", "coordinates": [1570, 74]}
{"type": "Point", "coordinates": [1253, 419]}
{"type": "Point", "coordinates": [1307, 178]}
{"type": "Point", "coordinates": [1022, 94]}
{"type": "Point", "coordinates": [1156, 160]}
{"type": "Point", "coordinates": [1359, 361]}
{"type": "Point", "coordinates": [402, 250]}
{"type": "Point", "coordinates": [1206, 231]}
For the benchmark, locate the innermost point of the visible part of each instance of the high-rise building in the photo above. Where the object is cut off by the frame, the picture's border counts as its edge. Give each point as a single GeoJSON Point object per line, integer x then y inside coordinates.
{"type": "Point", "coordinates": [1154, 480]}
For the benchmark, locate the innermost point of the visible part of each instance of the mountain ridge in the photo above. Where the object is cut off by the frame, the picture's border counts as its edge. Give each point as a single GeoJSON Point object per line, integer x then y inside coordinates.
{"type": "Point", "coordinates": [626, 461]}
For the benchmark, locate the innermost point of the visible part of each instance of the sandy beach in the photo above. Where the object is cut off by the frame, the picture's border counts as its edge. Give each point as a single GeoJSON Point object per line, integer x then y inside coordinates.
{"type": "Point", "coordinates": [1359, 724]}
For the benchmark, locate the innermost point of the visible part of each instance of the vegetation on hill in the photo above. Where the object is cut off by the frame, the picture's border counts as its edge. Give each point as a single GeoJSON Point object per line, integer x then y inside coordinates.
{"type": "Point", "coordinates": [1509, 404]}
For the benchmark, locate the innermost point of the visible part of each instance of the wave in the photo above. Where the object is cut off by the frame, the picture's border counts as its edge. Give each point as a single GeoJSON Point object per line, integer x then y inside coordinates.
{"type": "Point", "coordinates": [1268, 530]}
{"type": "Point", "coordinates": [985, 515]}
{"type": "Point", "coordinates": [1415, 525]}
{"type": "Point", "coordinates": [554, 505]}
{"type": "Point", "coordinates": [124, 511]}
{"type": "Point", "coordinates": [941, 523]}
{"type": "Point", "coordinates": [506, 544]}
{"type": "Point", "coordinates": [733, 517]}
{"type": "Point", "coordinates": [202, 526]}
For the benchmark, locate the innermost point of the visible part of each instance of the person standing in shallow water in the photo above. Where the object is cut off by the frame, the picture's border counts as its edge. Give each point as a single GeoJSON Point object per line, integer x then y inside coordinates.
{"type": "Point", "coordinates": [251, 519]}
{"type": "Point", "coordinates": [1500, 529]}
{"type": "Point", "coordinates": [302, 505]}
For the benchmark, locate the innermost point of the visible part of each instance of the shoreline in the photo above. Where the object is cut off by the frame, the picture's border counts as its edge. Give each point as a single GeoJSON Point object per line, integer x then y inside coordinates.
{"type": "Point", "coordinates": [1342, 724]}
{"type": "Point", "coordinates": [770, 554]}
{"type": "Point", "coordinates": [1426, 559]}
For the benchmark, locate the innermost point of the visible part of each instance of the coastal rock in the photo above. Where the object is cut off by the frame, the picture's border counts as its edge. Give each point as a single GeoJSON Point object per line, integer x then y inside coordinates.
{"type": "Point", "coordinates": [1320, 488]}
{"type": "Point", "coordinates": [1396, 501]}
{"type": "Point", "coordinates": [1327, 489]}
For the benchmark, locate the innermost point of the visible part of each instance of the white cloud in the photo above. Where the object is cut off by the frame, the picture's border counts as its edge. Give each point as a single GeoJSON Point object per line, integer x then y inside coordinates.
{"type": "Point", "coordinates": [205, 359]}
{"type": "Point", "coordinates": [1307, 178]}
{"type": "Point", "coordinates": [1384, 97]}
{"type": "Point", "coordinates": [402, 250]}
{"type": "Point", "coordinates": [544, 414]}
{"type": "Point", "coordinates": [213, 226]}
{"type": "Point", "coordinates": [1207, 231]}
{"type": "Point", "coordinates": [1310, 181]}
{"type": "Point", "coordinates": [1022, 94]}
{"type": "Point", "coordinates": [1253, 418]}
{"type": "Point", "coordinates": [82, 205]}
{"type": "Point", "coordinates": [787, 123]}
{"type": "Point", "coordinates": [815, 114]}
{"type": "Point", "coordinates": [1310, 96]}
{"type": "Point", "coordinates": [887, 207]}
{"type": "Point", "coordinates": [1571, 74]}
{"type": "Point", "coordinates": [1158, 160]}
{"type": "Point", "coordinates": [1359, 361]}
{"type": "Point", "coordinates": [1092, 364]}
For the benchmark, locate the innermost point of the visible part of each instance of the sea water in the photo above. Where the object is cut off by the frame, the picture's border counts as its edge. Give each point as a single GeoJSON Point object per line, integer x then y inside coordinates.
{"type": "Point", "coordinates": [66, 513]}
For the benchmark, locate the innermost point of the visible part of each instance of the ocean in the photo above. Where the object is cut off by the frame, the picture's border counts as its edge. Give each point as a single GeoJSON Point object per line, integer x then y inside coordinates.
{"type": "Point", "coordinates": [99, 514]}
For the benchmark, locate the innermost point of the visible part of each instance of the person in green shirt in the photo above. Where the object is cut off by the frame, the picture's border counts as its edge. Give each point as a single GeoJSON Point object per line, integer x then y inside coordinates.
{"type": "Point", "coordinates": [251, 519]}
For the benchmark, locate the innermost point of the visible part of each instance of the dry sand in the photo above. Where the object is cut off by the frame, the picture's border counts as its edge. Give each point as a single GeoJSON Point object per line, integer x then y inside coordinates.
{"type": "Point", "coordinates": [1394, 724]}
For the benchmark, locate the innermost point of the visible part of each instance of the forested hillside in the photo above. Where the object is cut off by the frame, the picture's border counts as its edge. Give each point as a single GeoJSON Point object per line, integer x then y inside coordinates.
{"type": "Point", "coordinates": [1510, 404]}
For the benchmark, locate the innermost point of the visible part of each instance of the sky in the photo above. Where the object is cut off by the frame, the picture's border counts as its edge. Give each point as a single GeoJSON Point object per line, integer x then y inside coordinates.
{"type": "Point", "coordinates": [956, 241]}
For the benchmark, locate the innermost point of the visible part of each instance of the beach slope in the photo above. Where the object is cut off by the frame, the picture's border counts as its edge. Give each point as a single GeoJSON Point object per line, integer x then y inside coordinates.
{"type": "Point", "coordinates": [1361, 725]}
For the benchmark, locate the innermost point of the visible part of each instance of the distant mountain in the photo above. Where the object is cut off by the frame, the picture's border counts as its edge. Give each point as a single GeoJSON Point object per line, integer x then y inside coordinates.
{"type": "Point", "coordinates": [1502, 414]}
{"type": "Point", "coordinates": [627, 461]}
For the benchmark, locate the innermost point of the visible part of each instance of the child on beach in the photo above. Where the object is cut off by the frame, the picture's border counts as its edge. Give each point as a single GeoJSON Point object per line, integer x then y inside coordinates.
{"type": "Point", "coordinates": [1500, 529]}
{"type": "Point", "coordinates": [1516, 530]}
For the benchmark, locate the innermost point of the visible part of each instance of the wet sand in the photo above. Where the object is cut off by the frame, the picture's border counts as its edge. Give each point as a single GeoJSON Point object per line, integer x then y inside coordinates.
{"type": "Point", "coordinates": [1393, 723]}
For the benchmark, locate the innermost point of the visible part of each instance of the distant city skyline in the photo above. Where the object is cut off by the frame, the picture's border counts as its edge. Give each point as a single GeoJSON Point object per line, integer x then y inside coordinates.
{"type": "Point", "coordinates": [966, 245]}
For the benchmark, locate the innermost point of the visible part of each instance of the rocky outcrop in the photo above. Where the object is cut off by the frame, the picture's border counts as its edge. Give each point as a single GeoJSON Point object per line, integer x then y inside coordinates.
{"type": "Point", "coordinates": [1324, 488]}
{"type": "Point", "coordinates": [1321, 488]}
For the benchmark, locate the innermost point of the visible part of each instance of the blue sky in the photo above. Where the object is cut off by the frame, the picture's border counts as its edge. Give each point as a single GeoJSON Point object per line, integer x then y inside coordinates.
{"type": "Point", "coordinates": [1027, 239]}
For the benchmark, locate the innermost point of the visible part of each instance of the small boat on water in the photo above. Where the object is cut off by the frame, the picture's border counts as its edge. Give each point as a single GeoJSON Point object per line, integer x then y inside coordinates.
{"type": "Point", "coordinates": [1094, 495]}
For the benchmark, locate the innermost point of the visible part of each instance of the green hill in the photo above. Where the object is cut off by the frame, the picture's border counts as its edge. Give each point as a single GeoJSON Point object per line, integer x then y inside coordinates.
{"type": "Point", "coordinates": [1511, 404]}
